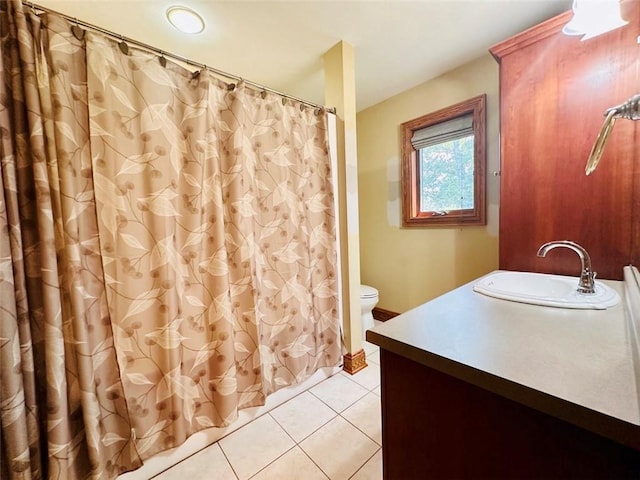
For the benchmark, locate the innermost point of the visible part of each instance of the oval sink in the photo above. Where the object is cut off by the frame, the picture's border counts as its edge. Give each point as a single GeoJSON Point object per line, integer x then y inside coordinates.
{"type": "Point", "coordinates": [544, 289]}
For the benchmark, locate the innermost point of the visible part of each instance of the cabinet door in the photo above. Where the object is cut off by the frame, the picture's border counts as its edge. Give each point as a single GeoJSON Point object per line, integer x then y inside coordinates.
{"type": "Point", "coordinates": [554, 90]}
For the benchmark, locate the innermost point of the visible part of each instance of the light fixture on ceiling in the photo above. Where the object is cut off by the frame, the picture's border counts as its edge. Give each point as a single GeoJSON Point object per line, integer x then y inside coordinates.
{"type": "Point", "coordinates": [185, 19]}
{"type": "Point", "coordinates": [594, 17]}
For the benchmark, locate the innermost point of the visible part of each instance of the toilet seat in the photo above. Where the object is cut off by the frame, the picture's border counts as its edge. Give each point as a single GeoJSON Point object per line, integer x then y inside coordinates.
{"type": "Point", "coordinates": [368, 292]}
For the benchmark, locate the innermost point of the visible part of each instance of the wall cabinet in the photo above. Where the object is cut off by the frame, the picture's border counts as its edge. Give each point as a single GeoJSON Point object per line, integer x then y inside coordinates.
{"type": "Point", "coordinates": [554, 90]}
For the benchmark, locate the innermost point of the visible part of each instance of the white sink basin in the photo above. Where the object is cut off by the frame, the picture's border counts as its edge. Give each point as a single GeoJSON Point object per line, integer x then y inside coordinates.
{"type": "Point", "coordinates": [547, 290]}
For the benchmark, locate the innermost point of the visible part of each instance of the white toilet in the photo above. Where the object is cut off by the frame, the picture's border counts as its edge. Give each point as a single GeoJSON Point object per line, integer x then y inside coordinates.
{"type": "Point", "coordinates": [368, 300]}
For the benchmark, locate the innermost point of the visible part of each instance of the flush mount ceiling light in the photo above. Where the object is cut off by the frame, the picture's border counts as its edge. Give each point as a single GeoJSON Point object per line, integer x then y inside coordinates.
{"type": "Point", "coordinates": [594, 17]}
{"type": "Point", "coordinates": [185, 19]}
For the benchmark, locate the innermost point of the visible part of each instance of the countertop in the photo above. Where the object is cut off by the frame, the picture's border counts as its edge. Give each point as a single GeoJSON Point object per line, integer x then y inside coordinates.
{"type": "Point", "coordinates": [580, 366]}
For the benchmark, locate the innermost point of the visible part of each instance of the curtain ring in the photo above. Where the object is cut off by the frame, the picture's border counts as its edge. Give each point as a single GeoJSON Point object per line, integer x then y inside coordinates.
{"type": "Point", "coordinates": [284, 100]}
{"type": "Point", "coordinates": [302, 107]}
{"type": "Point", "coordinates": [263, 94]}
{"type": "Point", "coordinates": [77, 31]}
{"type": "Point", "coordinates": [162, 60]}
{"type": "Point", "coordinates": [231, 87]}
{"type": "Point", "coordinates": [124, 48]}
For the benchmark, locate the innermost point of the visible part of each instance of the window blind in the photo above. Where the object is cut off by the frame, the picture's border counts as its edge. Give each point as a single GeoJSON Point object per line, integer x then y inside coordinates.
{"type": "Point", "coordinates": [453, 129]}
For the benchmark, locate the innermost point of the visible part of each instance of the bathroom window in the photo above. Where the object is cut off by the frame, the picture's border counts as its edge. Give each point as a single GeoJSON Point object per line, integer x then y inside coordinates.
{"type": "Point", "coordinates": [443, 166]}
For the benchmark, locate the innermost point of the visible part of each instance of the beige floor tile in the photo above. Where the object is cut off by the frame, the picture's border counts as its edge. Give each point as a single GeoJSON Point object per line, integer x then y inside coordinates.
{"type": "Point", "coordinates": [207, 464]}
{"type": "Point", "coordinates": [366, 415]}
{"type": "Point", "coordinates": [293, 465]}
{"type": "Point", "coordinates": [372, 470]}
{"type": "Point", "coordinates": [369, 377]}
{"type": "Point", "coordinates": [255, 446]}
{"type": "Point", "coordinates": [374, 357]}
{"type": "Point", "coordinates": [369, 347]}
{"type": "Point", "coordinates": [339, 448]}
{"type": "Point", "coordinates": [339, 392]}
{"type": "Point", "coordinates": [302, 415]}
{"type": "Point", "coordinates": [377, 391]}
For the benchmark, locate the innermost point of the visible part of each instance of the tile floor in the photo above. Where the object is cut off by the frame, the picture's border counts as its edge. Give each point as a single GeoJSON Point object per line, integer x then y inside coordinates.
{"type": "Point", "coordinates": [331, 431]}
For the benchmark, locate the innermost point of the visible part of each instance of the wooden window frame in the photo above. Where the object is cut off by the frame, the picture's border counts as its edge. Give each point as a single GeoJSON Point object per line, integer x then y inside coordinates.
{"type": "Point", "coordinates": [411, 214]}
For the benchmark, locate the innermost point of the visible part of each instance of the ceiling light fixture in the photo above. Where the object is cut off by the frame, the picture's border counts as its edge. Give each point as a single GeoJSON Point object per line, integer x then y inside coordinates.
{"type": "Point", "coordinates": [185, 19]}
{"type": "Point", "coordinates": [594, 17]}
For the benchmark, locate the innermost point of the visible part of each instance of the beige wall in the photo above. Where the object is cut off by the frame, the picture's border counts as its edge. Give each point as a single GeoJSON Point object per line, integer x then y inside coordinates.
{"type": "Point", "coordinates": [412, 265]}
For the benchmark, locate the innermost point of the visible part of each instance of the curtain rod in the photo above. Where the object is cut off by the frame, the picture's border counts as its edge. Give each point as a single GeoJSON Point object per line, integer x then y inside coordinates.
{"type": "Point", "coordinates": [174, 56]}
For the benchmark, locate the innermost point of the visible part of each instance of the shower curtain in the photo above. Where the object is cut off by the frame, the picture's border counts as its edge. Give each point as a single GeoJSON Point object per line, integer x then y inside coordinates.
{"type": "Point", "coordinates": [167, 250]}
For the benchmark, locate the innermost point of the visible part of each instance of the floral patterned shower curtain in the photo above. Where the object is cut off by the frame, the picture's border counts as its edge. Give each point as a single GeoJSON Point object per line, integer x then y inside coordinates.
{"type": "Point", "coordinates": [167, 250]}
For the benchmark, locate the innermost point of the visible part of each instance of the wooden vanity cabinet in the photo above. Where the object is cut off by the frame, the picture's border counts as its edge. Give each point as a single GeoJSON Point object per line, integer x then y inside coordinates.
{"type": "Point", "coordinates": [554, 90]}
{"type": "Point", "coordinates": [437, 426]}
{"type": "Point", "coordinates": [474, 387]}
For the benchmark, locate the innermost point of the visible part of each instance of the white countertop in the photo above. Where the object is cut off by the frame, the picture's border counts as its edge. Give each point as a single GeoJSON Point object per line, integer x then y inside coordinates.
{"type": "Point", "coordinates": [587, 359]}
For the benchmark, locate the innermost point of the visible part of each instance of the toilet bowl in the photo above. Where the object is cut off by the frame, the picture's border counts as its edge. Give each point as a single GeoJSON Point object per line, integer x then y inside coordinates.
{"type": "Point", "coordinates": [368, 300]}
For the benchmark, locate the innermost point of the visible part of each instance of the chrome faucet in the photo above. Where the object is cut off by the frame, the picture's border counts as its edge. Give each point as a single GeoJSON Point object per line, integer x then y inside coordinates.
{"type": "Point", "coordinates": [587, 277]}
